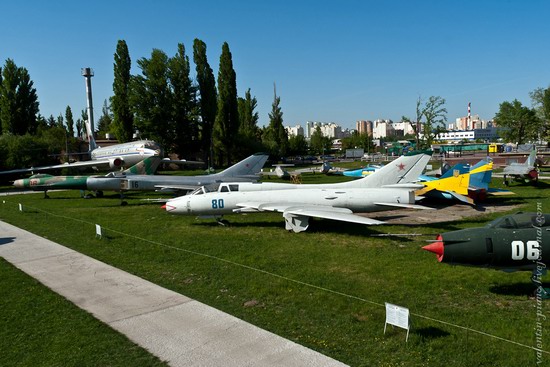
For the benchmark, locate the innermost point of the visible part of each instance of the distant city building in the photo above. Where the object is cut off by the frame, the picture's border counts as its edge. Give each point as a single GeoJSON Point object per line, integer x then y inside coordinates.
{"type": "Point", "coordinates": [488, 134]}
{"type": "Point", "coordinates": [294, 130]}
{"type": "Point", "coordinates": [364, 127]}
{"type": "Point", "coordinates": [329, 129]}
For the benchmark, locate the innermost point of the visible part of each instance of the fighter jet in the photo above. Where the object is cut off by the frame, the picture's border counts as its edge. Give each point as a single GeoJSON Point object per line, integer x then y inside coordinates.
{"type": "Point", "coordinates": [45, 182]}
{"type": "Point", "coordinates": [388, 188]}
{"type": "Point", "coordinates": [244, 171]}
{"type": "Point", "coordinates": [141, 178]}
{"type": "Point", "coordinates": [525, 171]}
{"type": "Point", "coordinates": [513, 242]}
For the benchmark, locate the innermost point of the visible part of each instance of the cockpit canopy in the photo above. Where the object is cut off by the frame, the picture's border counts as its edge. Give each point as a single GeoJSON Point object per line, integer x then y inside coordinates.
{"type": "Point", "coordinates": [521, 220]}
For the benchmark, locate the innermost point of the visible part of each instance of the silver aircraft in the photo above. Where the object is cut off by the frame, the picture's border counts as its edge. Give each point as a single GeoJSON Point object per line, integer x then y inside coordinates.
{"type": "Point", "coordinates": [390, 187]}
{"type": "Point", "coordinates": [522, 171]}
{"type": "Point", "coordinates": [244, 171]}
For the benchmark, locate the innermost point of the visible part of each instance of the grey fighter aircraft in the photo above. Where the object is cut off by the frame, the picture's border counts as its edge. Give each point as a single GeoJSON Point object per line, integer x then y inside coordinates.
{"type": "Point", "coordinates": [388, 188]}
{"type": "Point", "coordinates": [525, 171]}
{"type": "Point", "coordinates": [243, 171]}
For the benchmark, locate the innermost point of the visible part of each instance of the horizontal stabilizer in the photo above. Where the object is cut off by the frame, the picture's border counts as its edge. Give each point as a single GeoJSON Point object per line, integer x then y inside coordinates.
{"type": "Point", "coordinates": [406, 206]}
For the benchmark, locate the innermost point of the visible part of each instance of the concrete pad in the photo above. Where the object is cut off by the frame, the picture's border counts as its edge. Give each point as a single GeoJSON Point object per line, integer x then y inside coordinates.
{"type": "Point", "coordinates": [171, 326]}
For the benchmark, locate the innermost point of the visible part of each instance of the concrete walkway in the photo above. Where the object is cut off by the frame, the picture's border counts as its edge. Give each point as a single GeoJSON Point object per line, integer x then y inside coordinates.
{"type": "Point", "coordinates": [175, 328]}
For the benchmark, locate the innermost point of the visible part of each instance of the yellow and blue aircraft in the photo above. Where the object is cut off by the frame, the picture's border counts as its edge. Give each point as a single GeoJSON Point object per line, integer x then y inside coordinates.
{"type": "Point", "coordinates": [462, 182]}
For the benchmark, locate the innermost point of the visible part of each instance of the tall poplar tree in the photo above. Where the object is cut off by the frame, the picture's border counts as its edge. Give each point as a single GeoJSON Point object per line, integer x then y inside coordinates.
{"type": "Point", "coordinates": [208, 97]}
{"type": "Point", "coordinates": [69, 121]}
{"type": "Point", "coordinates": [183, 97]}
{"type": "Point", "coordinates": [123, 119]}
{"type": "Point", "coordinates": [227, 119]}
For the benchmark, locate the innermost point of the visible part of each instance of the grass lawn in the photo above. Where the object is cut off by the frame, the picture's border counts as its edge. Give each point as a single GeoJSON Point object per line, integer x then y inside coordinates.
{"type": "Point", "coordinates": [324, 288]}
{"type": "Point", "coordinates": [41, 328]}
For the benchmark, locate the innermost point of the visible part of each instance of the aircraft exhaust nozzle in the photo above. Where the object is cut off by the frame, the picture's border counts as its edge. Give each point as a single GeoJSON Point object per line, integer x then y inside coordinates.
{"type": "Point", "coordinates": [436, 247]}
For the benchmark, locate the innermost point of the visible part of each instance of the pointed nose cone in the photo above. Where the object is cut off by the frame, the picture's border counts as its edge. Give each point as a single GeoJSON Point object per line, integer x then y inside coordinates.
{"type": "Point", "coordinates": [164, 206]}
{"type": "Point", "coordinates": [436, 247]}
{"type": "Point", "coordinates": [19, 183]}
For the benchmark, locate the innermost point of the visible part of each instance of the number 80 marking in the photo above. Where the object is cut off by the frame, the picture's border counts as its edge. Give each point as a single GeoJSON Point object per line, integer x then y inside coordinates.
{"type": "Point", "coordinates": [217, 203]}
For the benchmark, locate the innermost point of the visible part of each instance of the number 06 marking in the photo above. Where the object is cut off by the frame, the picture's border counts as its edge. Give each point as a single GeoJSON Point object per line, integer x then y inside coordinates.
{"type": "Point", "coordinates": [519, 250]}
{"type": "Point", "coordinates": [217, 203]}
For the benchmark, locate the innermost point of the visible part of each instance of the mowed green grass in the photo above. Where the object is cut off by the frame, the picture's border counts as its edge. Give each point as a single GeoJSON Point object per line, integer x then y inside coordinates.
{"type": "Point", "coordinates": [41, 328]}
{"type": "Point", "coordinates": [324, 288]}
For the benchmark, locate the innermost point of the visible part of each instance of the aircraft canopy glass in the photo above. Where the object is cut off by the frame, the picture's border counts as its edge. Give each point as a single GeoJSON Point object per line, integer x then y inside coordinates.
{"type": "Point", "coordinates": [521, 220]}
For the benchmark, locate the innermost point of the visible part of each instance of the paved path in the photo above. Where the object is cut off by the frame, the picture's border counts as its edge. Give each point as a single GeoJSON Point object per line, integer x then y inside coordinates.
{"type": "Point", "coordinates": [175, 328]}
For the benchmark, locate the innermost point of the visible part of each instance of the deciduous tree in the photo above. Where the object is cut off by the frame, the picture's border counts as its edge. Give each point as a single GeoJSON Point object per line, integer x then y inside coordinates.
{"type": "Point", "coordinates": [517, 123]}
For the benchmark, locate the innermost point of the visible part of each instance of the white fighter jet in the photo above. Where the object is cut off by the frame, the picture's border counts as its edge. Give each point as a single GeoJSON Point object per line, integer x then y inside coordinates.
{"type": "Point", "coordinates": [390, 187]}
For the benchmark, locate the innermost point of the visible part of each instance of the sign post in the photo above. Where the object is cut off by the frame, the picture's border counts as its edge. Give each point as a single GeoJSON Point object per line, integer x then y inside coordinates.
{"type": "Point", "coordinates": [397, 316]}
{"type": "Point", "coordinates": [97, 231]}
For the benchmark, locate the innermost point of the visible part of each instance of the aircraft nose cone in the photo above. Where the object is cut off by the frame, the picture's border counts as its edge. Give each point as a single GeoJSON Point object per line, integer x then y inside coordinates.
{"type": "Point", "coordinates": [18, 183]}
{"type": "Point", "coordinates": [436, 247]}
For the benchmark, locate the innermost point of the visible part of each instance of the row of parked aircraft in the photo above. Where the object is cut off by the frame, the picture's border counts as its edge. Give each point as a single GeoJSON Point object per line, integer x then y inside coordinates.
{"type": "Point", "coordinates": [399, 184]}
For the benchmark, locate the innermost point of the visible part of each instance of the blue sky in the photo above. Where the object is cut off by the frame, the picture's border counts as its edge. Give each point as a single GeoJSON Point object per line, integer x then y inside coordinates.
{"type": "Point", "coordinates": [332, 61]}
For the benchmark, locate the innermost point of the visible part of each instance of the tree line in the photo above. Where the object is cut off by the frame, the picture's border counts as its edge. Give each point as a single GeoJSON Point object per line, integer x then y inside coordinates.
{"type": "Point", "coordinates": [201, 117]}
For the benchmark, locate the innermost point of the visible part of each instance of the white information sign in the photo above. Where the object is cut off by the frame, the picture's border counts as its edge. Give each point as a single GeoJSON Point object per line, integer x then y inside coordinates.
{"type": "Point", "coordinates": [397, 316]}
{"type": "Point", "coordinates": [98, 230]}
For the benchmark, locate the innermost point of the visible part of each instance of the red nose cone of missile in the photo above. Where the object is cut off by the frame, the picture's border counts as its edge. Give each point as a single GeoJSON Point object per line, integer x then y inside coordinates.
{"type": "Point", "coordinates": [164, 206]}
{"type": "Point", "coordinates": [436, 247]}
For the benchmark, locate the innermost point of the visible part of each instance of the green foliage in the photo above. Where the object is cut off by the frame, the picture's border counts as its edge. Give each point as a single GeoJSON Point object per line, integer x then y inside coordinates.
{"type": "Point", "coordinates": [318, 143]}
{"type": "Point", "coordinates": [18, 151]}
{"type": "Point", "coordinates": [208, 97]}
{"type": "Point", "coordinates": [18, 101]}
{"type": "Point", "coordinates": [69, 121]}
{"type": "Point", "coordinates": [541, 103]}
{"type": "Point", "coordinates": [151, 99]}
{"type": "Point", "coordinates": [357, 140]}
{"type": "Point", "coordinates": [249, 136]}
{"type": "Point", "coordinates": [275, 137]}
{"type": "Point", "coordinates": [430, 120]}
{"type": "Point", "coordinates": [517, 123]}
{"type": "Point", "coordinates": [104, 124]}
{"type": "Point", "coordinates": [297, 145]}
{"type": "Point", "coordinates": [123, 119]}
{"type": "Point", "coordinates": [184, 104]}
{"type": "Point", "coordinates": [226, 126]}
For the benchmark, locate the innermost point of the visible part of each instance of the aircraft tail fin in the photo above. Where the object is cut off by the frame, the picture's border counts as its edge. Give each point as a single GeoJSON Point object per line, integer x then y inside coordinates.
{"type": "Point", "coordinates": [459, 168]}
{"type": "Point", "coordinates": [530, 162]}
{"type": "Point", "coordinates": [148, 166]}
{"type": "Point", "coordinates": [481, 174]}
{"type": "Point", "coordinates": [247, 167]}
{"type": "Point", "coordinates": [404, 169]}
{"type": "Point", "coordinates": [91, 140]}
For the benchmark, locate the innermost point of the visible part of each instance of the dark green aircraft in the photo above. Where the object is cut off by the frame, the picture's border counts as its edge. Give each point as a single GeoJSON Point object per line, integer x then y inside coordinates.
{"type": "Point", "coordinates": [513, 242]}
